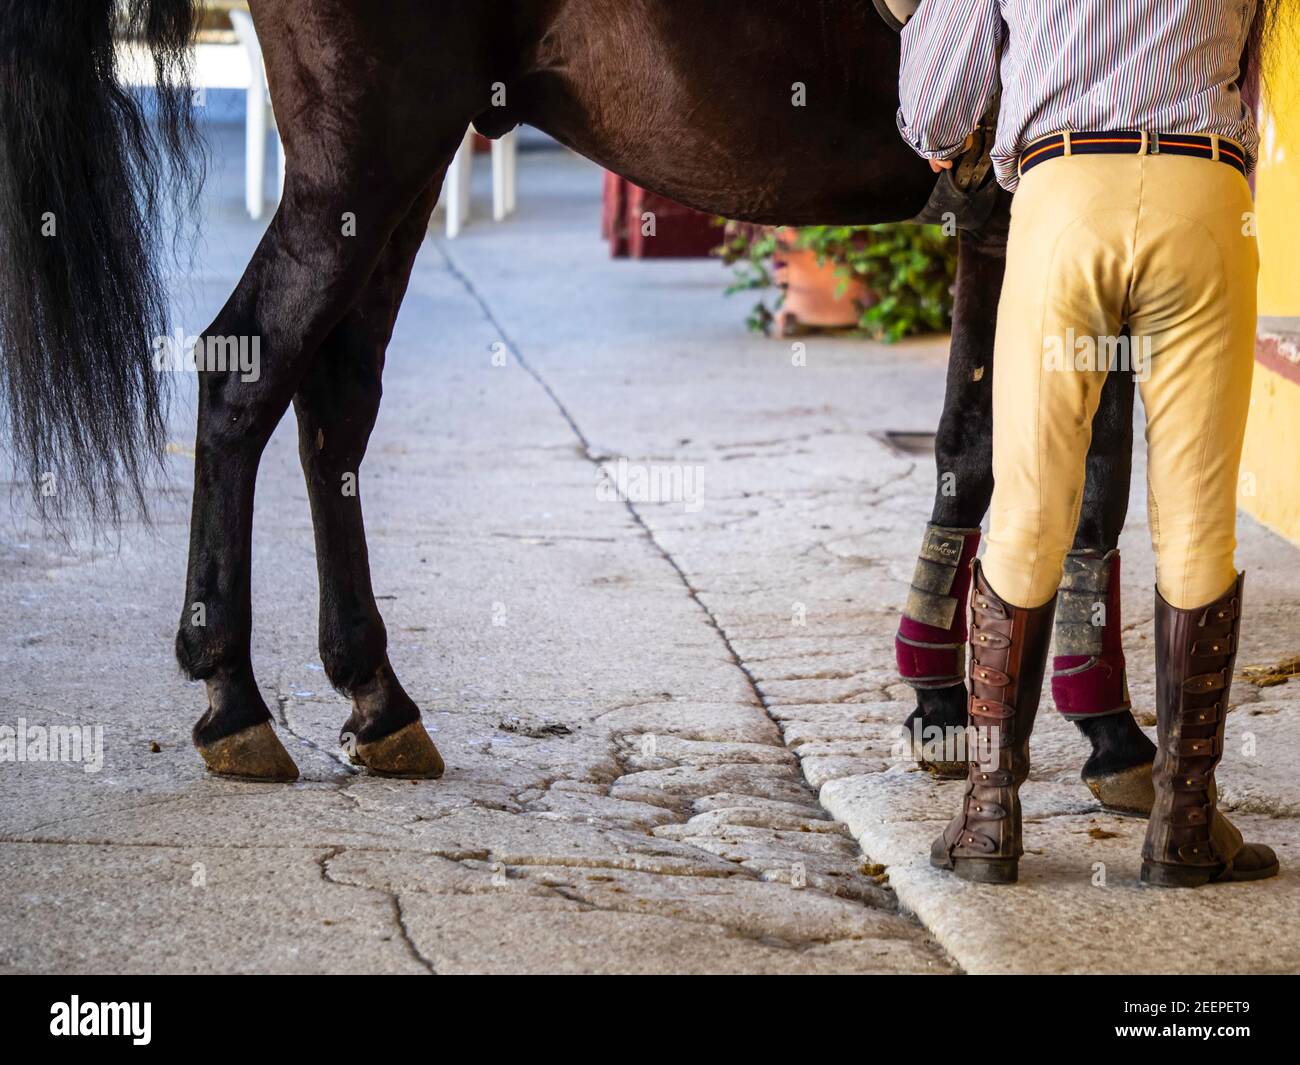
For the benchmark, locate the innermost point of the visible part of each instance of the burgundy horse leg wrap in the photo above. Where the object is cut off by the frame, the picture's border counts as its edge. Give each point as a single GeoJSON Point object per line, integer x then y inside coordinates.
{"type": "Point", "coordinates": [931, 641]}
{"type": "Point", "coordinates": [1088, 675]}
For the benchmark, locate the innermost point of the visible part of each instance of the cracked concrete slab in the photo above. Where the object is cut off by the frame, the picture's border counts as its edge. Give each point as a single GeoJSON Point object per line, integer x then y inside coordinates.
{"type": "Point", "coordinates": [802, 552]}
{"type": "Point", "coordinates": [124, 908]}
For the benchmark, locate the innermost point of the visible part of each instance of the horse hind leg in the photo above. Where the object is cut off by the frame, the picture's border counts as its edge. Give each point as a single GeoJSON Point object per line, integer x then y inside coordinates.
{"type": "Point", "coordinates": [300, 281]}
{"type": "Point", "coordinates": [1089, 684]}
{"type": "Point", "coordinates": [235, 420]}
{"type": "Point", "coordinates": [930, 644]}
{"type": "Point", "coordinates": [336, 406]}
{"type": "Point", "coordinates": [326, 240]}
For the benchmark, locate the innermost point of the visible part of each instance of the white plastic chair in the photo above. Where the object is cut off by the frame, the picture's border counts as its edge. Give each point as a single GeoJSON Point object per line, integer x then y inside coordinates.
{"type": "Point", "coordinates": [260, 117]}
{"type": "Point", "coordinates": [505, 169]}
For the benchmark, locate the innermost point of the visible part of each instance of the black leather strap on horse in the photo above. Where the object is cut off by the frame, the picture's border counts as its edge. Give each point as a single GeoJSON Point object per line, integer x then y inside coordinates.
{"type": "Point", "coordinates": [896, 12]}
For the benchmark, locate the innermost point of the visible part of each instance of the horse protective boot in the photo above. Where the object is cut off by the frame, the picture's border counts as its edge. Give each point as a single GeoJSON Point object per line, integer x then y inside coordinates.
{"type": "Point", "coordinates": [1090, 682]}
{"type": "Point", "coordinates": [930, 648]}
{"type": "Point", "coordinates": [1188, 841]}
{"type": "Point", "coordinates": [1008, 656]}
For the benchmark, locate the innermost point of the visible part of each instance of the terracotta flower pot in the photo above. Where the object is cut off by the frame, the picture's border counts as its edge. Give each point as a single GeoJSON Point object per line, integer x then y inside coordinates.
{"type": "Point", "coordinates": [812, 293]}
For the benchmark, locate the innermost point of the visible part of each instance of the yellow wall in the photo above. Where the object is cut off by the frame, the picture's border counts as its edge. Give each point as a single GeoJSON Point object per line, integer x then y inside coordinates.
{"type": "Point", "coordinates": [1277, 189]}
{"type": "Point", "coordinates": [1270, 465]}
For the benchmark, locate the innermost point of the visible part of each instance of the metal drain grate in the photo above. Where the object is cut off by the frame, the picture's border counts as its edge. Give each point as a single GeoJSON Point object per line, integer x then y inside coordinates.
{"type": "Point", "coordinates": [908, 443]}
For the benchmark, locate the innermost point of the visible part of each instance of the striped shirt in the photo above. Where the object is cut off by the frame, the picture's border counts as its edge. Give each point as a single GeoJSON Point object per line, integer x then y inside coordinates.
{"type": "Point", "coordinates": [1167, 66]}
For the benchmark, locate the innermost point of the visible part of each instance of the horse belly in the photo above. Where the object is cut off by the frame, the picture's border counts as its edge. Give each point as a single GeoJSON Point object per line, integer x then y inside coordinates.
{"type": "Point", "coordinates": [772, 111]}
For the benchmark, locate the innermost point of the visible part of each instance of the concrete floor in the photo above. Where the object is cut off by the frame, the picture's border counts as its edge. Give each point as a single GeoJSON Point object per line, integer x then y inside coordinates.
{"type": "Point", "coordinates": [638, 701]}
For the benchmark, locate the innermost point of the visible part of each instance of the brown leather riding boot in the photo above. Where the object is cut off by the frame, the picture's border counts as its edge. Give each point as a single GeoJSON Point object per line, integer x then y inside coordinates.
{"type": "Point", "coordinates": [1188, 841]}
{"type": "Point", "coordinates": [1008, 654]}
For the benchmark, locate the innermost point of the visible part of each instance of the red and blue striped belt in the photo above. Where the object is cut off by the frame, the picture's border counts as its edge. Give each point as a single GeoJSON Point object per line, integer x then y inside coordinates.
{"type": "Point", "coordinates": [1133, 142]}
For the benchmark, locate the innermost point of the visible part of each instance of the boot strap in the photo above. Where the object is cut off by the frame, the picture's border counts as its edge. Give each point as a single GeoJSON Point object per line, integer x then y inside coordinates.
{"type": "Point", "coordinates": [990, 608]}
{"type": "Point", "coordinates": [995, 711]}
{"type": "Point", "coordinates": [1189, 816]}
{"type": "Point", "coordinates": [988, 675]}
{"type": "Point", "coordinates": [987, 638]}
{"type": "Point", "coordinates": [1209, 747]}
{"type": "Point", "coordinates": [1202, 715]}
{"type": "Point", "coordinates": [980, 810]}
{"type": "Point", "coordinates": [969, 840]}
{"type": "Point", "coordinates": [1004, 728]}
{"type": "Point", "coordinates": [1191, 782]}
{"type": "Point", "coordinates": [1215, 646]}
{"type": "Point", "coordinates": [1221, 613]}
{"type": "Point", "coordinates": [985, 714]}
{"type": "Point", "coordinates": [1201, 853]}
{"type": "Point", "coordinates": [1204, 683]}
{"type": "Point", "coordinates": [995, 778]}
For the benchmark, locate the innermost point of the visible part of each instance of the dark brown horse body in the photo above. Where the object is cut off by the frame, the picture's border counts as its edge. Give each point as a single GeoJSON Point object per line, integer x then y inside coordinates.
{"type": "Point", "coordinates": [775, 111]}
{"type": "Point", "coordinates": [779, 113]}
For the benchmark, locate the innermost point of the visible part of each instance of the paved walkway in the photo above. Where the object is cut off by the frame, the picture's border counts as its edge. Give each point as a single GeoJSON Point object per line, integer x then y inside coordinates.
{"type": "Point", "coordinates": [618, 796]}
{"type": "Point", "coordinates": [638, 700]}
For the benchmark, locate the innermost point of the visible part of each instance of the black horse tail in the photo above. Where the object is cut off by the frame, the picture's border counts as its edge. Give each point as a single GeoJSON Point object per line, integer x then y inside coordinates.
{"type": "Point", "coordinates": [87, 167]}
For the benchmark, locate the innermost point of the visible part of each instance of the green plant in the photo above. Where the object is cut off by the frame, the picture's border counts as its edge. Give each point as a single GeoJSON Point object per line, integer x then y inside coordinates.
{"type": "Point", "coordinates": [908, 269]}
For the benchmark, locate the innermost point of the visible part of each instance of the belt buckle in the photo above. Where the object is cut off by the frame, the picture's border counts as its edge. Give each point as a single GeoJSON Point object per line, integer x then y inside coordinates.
{"type": "Point", "coordinates": [1153, 144]}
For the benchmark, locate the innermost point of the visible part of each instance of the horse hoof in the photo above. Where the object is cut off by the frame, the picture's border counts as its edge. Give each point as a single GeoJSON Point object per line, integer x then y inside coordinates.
{"type": "Point", "coordinates": [1129, 791]}
{"type": "Point", "coordinates": [254, 753]}
{"type": "Point", "coordinates": [408, 752]}
{"type": "Point", "coordinates": [938, 768]}
{"type": "Point", "coordinates": [943, 770]}
{"type": "Point", "coordinates": [933, 727]}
